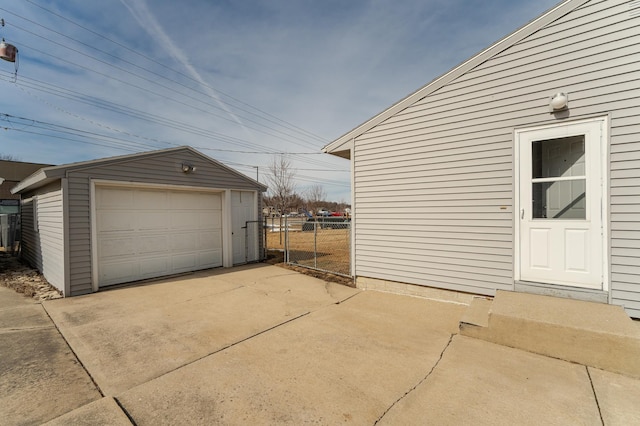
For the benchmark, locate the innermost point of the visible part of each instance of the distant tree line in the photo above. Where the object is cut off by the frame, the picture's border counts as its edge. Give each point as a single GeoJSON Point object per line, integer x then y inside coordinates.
{"type": "Point", "coordinates": [283, 197]}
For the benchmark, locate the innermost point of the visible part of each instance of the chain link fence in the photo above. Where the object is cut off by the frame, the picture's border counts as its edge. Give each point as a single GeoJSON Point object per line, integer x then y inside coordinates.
{"type": "Point", "coordinates": [323, 244]}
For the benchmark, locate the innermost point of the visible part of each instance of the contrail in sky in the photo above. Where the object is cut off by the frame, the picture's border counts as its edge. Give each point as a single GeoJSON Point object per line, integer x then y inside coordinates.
{"type": "Point", "coordinates": [147, 20]}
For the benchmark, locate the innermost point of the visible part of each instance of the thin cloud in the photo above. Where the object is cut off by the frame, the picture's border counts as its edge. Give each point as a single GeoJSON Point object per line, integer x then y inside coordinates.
{"type": "Point", "coordinates": [147, 20]}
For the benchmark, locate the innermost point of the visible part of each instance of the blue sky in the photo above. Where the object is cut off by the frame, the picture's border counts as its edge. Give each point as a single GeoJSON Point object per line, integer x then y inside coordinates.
{"type": "Point", "coordinates": [238, 80]}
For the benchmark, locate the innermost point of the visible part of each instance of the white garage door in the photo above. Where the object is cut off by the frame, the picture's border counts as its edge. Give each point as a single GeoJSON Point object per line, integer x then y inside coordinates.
{"type": "Point", "coordinates": [147, 233]}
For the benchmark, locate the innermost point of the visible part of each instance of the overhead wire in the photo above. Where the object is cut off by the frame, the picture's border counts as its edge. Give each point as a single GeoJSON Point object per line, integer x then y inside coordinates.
{"type": "Point", "coordinates": [145, 78]}
{"type": "Point", "coordinates": [283, 135]}
{"type": "Point", "coordinates": [169, 123]}
{"type": "Point", "coordinates": [129, 145]}
{"type": "Point", "coordinates": [66, 129]}
{"type": "Point", "coordinates": [106, 142]}
{"type": "Point", "coordinates": [324, 140]}
{"type": "Point", "coordinates": [130, 84]}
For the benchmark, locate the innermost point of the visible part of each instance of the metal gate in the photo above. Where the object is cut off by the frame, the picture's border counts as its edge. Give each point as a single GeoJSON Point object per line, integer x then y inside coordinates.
{"type": "Point", "coordinates": [323, 245]}
{"type": "Point", "coordinates": [9, 231]}
{"type": "Point", "coordinates": [254, 241]}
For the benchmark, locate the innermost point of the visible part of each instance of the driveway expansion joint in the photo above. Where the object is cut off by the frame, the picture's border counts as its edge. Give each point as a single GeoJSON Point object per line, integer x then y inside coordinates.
{"type": "Point", "coordinates": [595, 395]}
{"type": "Point", "coordinates": [124, 410]}
{"type": "Point", "coordinates": [75, 355]}
{"type": "Point", "coordinates": [220, 350]}
{"type": "Point", "coordinates": [419, 383]}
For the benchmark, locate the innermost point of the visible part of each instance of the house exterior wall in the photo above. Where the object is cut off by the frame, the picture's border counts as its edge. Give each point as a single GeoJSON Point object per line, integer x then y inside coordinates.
{"type": "Point", "coordinates": [160, 169]}
{"type": "Point", "coordinates": [42, 244]}
{"type": "Point", "coordinates": [434, 184]}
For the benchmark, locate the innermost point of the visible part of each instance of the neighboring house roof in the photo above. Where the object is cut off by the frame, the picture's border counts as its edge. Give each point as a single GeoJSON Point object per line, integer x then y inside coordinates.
{"type": "Point", "coordinates": [12, 172]}
{"type": "Point", "coordinates": [18, 170]}
{"type": "Point", "coordinates": [50, 174]}
{"type": "Point", "coordinates": [342, 146]}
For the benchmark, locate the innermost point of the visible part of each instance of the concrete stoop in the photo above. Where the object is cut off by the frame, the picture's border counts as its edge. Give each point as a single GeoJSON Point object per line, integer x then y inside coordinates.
{"type": "Point", "coordinates": [593, 334]}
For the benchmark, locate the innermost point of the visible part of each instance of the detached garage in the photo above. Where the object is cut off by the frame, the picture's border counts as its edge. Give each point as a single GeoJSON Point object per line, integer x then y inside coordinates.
{"type": "Point", "coordinates": [122, 219]}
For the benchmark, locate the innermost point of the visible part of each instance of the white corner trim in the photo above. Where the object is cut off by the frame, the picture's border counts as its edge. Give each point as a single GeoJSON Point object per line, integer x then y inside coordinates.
{"type": "Point", "coordinates": [227, 230]}
{"type": "Point", "coordinates": [66, 252]}
{"type": "Point", "coordinates": [94, 236]}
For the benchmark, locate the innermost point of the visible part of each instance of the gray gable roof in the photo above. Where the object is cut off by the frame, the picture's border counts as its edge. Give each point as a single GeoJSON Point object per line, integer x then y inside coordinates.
{"type": "Point", "coordinates": [343, 144]}
{"type": "Point", "coordinates": [53, 173]}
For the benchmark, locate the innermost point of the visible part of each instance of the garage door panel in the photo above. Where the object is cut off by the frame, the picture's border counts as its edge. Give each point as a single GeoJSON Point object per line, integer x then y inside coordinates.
{"type": "Point", "coordinates": [185, 262]}
{"type": "Point", "coordinates": [210, 220]}
{"type": "Point", "coordinates": [149, 199]}
{"type": "Point", "coordinates": [210, 259]}
{"type": "Point", "coordinates": [114, 247]}
{"type": "Point", "coordinates": [150, 233]}
{"type": "Point", "coordinates": [185, 220]}
{"type": "Point", "coordinates": [207, 240]}
{"type": "Point", "coordinates": [154, 267]}
{"type": "Point", "coordinates": [152, 244]}
{"type": "Point", "coordinates": [211, 203]}
{"type": "Point", "coordinates": [115, 221]}
{"type": "Point", "coordinates": [114, 198]}
{"type": "Point", "coordinates": [185, 200]}
{"type": "Point", "coordinates": [151, 220]}
{"type": "Point", "coordinates": [185, 241]}
{"type": "Point", "coordinates": [113, 273]}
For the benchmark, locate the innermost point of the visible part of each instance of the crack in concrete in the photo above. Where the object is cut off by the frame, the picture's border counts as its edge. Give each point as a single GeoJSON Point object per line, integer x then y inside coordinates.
{"type": "Point", "coordinates": [347, 298]}
{"type": "Point", "coordinates": [417, 384]}
{"type": "Point", "coordinates": [595, 395]}
{"type": "Point", "coordinates": [26, 328]}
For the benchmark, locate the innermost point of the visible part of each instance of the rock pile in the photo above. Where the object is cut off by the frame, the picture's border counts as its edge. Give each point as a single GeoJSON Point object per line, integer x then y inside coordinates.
{"type": "Point", "coordinates": [21, 278]}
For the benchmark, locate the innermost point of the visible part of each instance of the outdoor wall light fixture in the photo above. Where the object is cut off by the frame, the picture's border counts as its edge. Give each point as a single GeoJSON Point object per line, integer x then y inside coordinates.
{"type": "Point", "coordinates": [559, 102]}
{"type": "Point", "coordinates": [188, 168]}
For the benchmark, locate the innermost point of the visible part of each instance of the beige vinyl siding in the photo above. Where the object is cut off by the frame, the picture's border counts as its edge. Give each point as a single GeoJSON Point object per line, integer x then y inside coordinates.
{"type": "Point", "coordinates": [441, 170]}
{"type": "Point", "coordinates": [43, 241]}
{"type": "Point", "coordinates": [159, 169]}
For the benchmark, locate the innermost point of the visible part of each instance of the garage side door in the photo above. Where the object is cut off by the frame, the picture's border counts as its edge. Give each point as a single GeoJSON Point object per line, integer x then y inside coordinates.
{"type": "Point", "coordinates": [147, 233]}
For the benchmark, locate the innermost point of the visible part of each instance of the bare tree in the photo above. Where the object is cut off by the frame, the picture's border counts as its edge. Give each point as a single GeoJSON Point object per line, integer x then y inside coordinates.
{"type": "Point", "coordinates": [315, 195]}
{"type": "Point", "coordinates": [8, 157]}
{"type": "Point", "coordinates": [280, 180]}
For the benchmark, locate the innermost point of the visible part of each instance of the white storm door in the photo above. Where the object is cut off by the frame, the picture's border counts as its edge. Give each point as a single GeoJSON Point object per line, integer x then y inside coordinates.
{"type": "Point", "coordinates": [560, 200]}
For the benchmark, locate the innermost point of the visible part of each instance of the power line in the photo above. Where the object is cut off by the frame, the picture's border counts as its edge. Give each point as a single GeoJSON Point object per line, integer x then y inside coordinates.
{"type": "Point", "coordinates": [109, 142]}
{"type": "Point", "coordinates": [78, 132]}
{"type": "Point", "coordinates": [318, 139]}
{"type": "Point", "coordinates": [69, 94]}
{"type": "Point", "coordinates": [129, 145]}
{"type": "Point", "coordinates": [324, 140]}
{"type": "Point", "coordinates": [165, 97]}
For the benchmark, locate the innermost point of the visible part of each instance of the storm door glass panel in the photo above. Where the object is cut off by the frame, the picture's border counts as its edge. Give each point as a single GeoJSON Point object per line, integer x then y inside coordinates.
{"type": "Point", "coordinates": [559, 178]}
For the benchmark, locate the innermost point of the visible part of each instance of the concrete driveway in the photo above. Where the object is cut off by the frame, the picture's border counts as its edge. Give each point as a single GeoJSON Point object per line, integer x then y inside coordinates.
{"type": "Point", "coordinates": [264, 345]}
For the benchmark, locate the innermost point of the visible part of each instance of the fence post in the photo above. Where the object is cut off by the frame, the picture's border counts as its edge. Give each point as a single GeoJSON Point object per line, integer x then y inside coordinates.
{"type": "Point", "coordinates": [315, 244]}
{"type": "Point", "coordinates": [286, 240]}
{"type": "Point", "coordinates": [265, 249]}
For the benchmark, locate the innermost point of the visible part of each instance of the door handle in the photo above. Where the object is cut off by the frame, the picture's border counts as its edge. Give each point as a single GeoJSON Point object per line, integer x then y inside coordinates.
{"type": "Point", "coordinates": [522, 214]}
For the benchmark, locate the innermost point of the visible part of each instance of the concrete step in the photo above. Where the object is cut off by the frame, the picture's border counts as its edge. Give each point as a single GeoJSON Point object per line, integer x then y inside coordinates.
{"type": "Point", "coordinates": [588, 333]}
